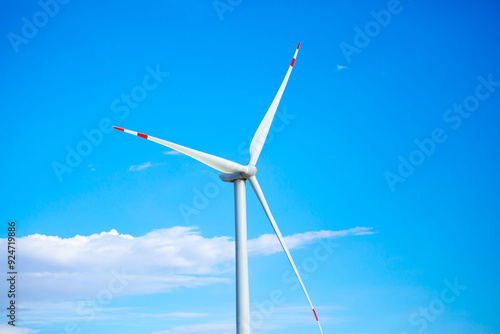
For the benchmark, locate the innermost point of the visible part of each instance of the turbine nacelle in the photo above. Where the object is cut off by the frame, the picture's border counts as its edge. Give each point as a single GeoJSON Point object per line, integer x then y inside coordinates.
{"type": "Point", "coordinates": [251, 170]}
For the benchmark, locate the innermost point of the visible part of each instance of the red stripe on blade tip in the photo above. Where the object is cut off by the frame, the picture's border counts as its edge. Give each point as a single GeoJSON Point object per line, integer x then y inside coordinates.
{"type": "Point", "coordinates": [142, 135]}
{"type": "Point", "coordinates": [298, 46]}
{"type": "Point", "coordinates": [293, 61]}
{"type": "Point", "coordinates": [117, 128]}
{"type": "Point", "coordinates": [315, 315]}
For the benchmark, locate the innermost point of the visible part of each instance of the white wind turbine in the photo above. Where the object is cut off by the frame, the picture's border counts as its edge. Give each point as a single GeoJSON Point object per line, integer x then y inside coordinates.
{"type": "Point", "coordinates": [238, 174]}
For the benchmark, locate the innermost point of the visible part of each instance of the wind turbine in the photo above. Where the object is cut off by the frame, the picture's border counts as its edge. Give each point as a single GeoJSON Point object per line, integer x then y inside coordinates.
{"type": "Point", "coordinates": [238, 174]}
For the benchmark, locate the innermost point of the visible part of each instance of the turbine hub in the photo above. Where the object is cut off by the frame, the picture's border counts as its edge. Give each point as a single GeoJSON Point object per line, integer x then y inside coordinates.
{"type": "Point", "coordinates": [251, 171]}
{"type": "Point", "coordinates": [231, 177]}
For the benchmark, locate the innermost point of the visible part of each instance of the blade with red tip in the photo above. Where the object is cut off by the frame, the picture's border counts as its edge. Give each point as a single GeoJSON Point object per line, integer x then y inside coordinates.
{"type": "Point", "coordinates": [263, 202]}
{"type": "Point", "coordinates": [220, 164]}
{"type": "Point", "coordinates": [261, 134]}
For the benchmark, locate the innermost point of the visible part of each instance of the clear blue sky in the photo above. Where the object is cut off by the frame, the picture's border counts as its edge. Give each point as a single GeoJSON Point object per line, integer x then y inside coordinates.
{"type": "Point", "coordinates": [362, 96]}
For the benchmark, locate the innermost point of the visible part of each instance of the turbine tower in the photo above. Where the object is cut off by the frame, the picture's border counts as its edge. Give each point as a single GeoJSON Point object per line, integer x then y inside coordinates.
{"type": "Point", "coordinates": [238, 174]}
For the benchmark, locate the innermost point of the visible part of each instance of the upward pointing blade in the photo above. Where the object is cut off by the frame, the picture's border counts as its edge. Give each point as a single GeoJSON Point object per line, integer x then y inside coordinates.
{"type": "Point", "coordinates": [261, 134]}
{"type": "Point", "coordinates": [220, 164]}
{"type": "Point", "coordinates": [262, 199]}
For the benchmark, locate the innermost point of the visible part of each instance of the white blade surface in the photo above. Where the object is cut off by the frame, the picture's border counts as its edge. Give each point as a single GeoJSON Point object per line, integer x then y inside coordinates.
{"type": "Point", "coordinates": [262, 199]}
{"type": "Point", "coordinates": [220, 164]}
{"type": "Point", "coordinates": [261, 134]}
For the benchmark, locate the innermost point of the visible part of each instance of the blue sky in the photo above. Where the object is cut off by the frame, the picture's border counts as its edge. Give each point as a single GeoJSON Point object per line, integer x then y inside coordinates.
{"type": "Point", "coordinates": [381, 168]}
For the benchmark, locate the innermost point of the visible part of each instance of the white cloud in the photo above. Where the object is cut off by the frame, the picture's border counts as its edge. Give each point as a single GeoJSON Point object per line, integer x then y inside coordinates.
{"type": "Point", "coordinates": [63, 312]}
{"type": "Point", "coordinates": [280, 317]}
{"type": "Point", "coordinates": [7, 329]}
{"type": "Point", "coordinates": [341, 67]}
{"type": "Point", "coordinates": [201, 328]}
{"type": "Point", "coordinates": [76, 278]}
{"type": "Point", "coordinates": [176, 315]}
{"type": "Point", "coordinates": [268, 244]}
{"type": "Point", "coordinates": [267, 319]}
{"type": "Point", "coordinates": [172, 152]}
{"type": "Point", "coordinates": [81, 266]}
{"type": "Point", "coordinates": [86, 267]}
{"type": "Point", "coordinates": [135, 168]}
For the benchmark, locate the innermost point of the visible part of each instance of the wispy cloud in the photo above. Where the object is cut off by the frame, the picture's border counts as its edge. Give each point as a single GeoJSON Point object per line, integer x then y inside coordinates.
{"type": "Point", "coordinates": [176, 315]}
{"type": "Point", "coordinates": [286, 315]}
{"type": "Point", "coordinates": [341, 67]}
{"type": "Point", "coordinates": [281, 317]}
{"type": "Point", "coordinates": [268, 244]}
{"type": "Point", "coordinates": [172, 152]}
{"type": "Point", "coordinates": [136, 168]}
{"type": "Point", "coordinates": [62, 312]}
{"type": "Point", "coordinates": [201, 328]}
{"type": "Point", "coordinates": [7, 329]}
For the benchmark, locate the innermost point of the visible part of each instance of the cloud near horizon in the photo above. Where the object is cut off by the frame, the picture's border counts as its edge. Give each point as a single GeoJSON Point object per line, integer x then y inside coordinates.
{"type": "Point", "coordinates": [201, 328]}
{"type": "Point", "coordinates": [7, 329]}
{"type": "Point", "coordinates": [81, 267]}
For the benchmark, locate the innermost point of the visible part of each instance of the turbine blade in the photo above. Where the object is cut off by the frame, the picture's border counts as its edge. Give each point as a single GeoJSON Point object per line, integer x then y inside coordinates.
{"type": "Point", "coordinates": [220, 164]}
{"type": "Point", "coordinates": [262, 199]}
{"type": "Point", "coordinates": [261, 134]}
